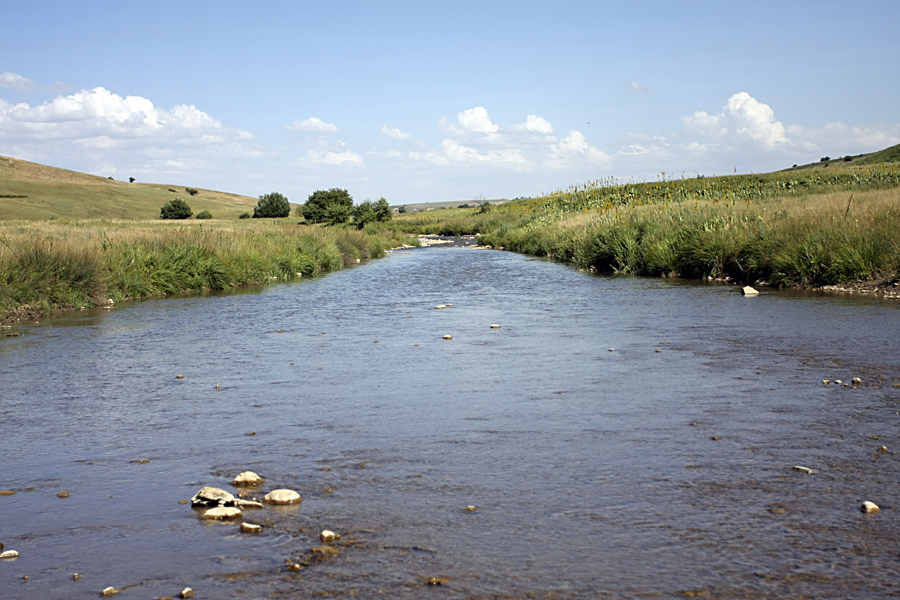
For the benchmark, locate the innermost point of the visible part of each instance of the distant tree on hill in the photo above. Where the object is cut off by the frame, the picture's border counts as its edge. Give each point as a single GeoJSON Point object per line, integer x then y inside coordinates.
{"type": "Point", "coordinates": [175, 209]}
{"type": "Point", "coordinates": [204, 214]}
{"type": "Point", "coordinates": [272, 206]}
{"type": "Point", "coordinates": [332, 207]}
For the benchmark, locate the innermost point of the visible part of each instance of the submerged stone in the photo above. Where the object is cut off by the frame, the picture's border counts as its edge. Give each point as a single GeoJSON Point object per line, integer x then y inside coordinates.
{"type": "Point", "coordinates": [329, 536]}
{"type": "Point", "coordinates": [283, 496]}
{"type": "Point", "coordinates": [109, 592]}
{"type": "Point", "coordinates": [210, 496]}
{"type": "Point", "coordinates": [250, 528]}
{"type": "Point", "coordinates": [223, 512]}
{"type": "Point", "coordinates": [806, 470]}
{"type": "Point", "coordinates": [248, 478]}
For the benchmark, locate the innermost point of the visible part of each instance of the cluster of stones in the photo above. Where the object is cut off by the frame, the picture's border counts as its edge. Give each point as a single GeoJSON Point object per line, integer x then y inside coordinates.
{"type": "Point", "coordinates": [891, 290]}
{"type": "Point", "coordinates": [223, 505]}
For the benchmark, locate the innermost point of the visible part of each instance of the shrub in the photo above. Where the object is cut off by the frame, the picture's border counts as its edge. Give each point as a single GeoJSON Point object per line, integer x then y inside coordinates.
{"type": "Point", "coordinates": [175, 209]}
{"type": "Point", "coordinates": [204, 214]}
{"type": "Point", "coordinates": [191, 191]}
{"type": "Point", "coordinates": [244, 216]}
{"type": "Point", "coordinates": [333, 206]}
{"type": "Point", "coordinates": [272, 206]}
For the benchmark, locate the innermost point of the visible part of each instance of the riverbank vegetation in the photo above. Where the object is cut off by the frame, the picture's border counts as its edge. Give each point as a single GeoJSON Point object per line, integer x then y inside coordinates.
{"type": "Point", "coordinates": [49, 265]}
{"type": "Point", "coordinates": [788, 229]}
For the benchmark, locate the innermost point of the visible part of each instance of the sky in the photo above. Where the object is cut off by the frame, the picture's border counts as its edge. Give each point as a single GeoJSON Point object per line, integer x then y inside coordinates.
{"type": "Point", "coordinates": [430, 101]}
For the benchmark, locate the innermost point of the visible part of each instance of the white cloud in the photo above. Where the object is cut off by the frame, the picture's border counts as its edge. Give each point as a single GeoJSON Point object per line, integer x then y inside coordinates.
{"type": "Point", "coordinates": [534, 124]}
{"type": "Point", "coordinates": [457, 153]}
{"type": "Point", "coordinates": [743, 119]}
{"type": "Point", "coordinates": [635, 88]}
{"type": "Point", "coordinates": [473, 120]}
{"type": "Point", "coordinates": [315, 157]}
{"type": "Point", "coordinates": [574, 149]}
{"type": "Point", "coordinates": [17, 82]}
{"type": "Point", "coordinates": [313, 124]}
{"type": "Point", "coordinates": [395, 134]}
{"type": "Point", "coordinates": [105, 119]}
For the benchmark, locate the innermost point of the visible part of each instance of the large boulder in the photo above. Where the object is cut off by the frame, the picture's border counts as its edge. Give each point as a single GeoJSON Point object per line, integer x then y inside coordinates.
{"type": "Point", "coordinates": [210, 496]}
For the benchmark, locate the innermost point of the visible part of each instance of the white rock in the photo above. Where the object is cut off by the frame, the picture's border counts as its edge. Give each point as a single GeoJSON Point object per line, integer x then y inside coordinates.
{"type": "Point", "coordinates": [247, 478]}
{"type": "Point", "coordinates": [186, 593]}
{"type": "Point", "coordinates": [329, 536]}
{"type": "Point", "coordinates": [250, 528]}
{"type": "Point", "coordinates": [248, 504]}
{"type": "Point", "coordinates": [109, 592]}
{"type": "Point", "coordinates": [9, 554]}
{"type": "Point", "coordinates": [826, 381]}
{"type": "Point", "coordinates": [869, 507]}
{"type": "Point", "coordinates": [283, 497]}
{"type": "Point", "coordinates": [856, 381]}
{"type": "Point", "coordinates": [838, 382]}
{"type": "Point", "coordinates": [806, 470]}
{"type": "Point", "coordinates": [495, 326]}
{"type": "Point", "coordinates": [440, 307]}
{"type": "Point", "coordinates": [749, 291]}
{"type": "Point", "coordinates": [448, 337]}
{"type": "Point", "coordinates": [210, 496]}
{"type": "Point", "coordinates": [223, 512]}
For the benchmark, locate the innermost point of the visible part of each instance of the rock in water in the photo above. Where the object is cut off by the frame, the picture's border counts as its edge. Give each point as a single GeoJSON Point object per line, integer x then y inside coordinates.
{"type": "Point", "coordinates": [248, 478]}
{"type": "Point", "coordinates": [210, 496]}
{"type": "Point", "coordinates": [806, 470]}
{"type": "Point", "coordinates": [283, 497]}
{"type": "Point", "coordinates": [749, 291]}
{"type": "Point", "coordinates": [109, 592]}
{"type": "Point", "coordinates": [9, 554]}
{"type": "Point", "coordinates": [329, 536]}
{"type": "Point", "coordinates": [250, 528]}
{"type": "Point", "coordinates": [222, 512]}
{"type": "Point", "coordinates": [869, 507]}
{"type": "Point", "coordinates": [186, 593]}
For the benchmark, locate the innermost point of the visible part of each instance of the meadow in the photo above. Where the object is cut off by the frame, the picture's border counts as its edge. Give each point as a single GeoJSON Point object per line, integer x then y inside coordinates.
{"type": "Point", "coordinates": [806, 228]}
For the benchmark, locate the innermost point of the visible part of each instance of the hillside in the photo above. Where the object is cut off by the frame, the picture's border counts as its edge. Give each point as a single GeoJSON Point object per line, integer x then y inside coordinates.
{"type": "Point", "coordinates": [888, 155]}
{"type": "Point", "coordinates": [31, 191]}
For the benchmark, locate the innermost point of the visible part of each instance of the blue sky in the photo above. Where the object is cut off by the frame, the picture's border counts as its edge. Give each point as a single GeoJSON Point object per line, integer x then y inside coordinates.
{"type": "Point", "coordinates": [432, 101]}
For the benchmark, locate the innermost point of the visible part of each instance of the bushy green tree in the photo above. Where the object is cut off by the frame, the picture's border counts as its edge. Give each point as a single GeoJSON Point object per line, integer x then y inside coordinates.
{"type": "Point", "coordinates": [333, 206]}
{"type": "Point", "coordinates": [383, 210]}
{"type": "Point", "coordinates": [175, 209]}
{"type": "Point", "coordinates": [272, 206]}
{"type": "Point", "coordinates": [369, 212]}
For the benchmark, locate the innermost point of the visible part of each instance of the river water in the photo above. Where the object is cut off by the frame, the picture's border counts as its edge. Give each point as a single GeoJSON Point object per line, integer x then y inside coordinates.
{"type": "Point", "coordinates": [619, 437]}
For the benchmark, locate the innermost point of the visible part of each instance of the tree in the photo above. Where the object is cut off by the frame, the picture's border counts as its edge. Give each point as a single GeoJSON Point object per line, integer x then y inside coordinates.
{"type": "Point", "coordinates": [272, 206]}
{"type": "Point", "coordinates": [363, 213]}
{"type": "Point", "coordinates": [383, 210]}
{"type": "Point", "coordinates": [175, 209]}
{"type": "Point", "coordinates": [204, 214]}
{"type": "Point", "coordinates": [333, 206]}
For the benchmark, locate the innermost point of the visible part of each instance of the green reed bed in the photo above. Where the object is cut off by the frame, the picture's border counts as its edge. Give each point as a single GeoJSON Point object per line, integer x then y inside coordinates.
{"type": "Point", "coordinates": [49, 265]}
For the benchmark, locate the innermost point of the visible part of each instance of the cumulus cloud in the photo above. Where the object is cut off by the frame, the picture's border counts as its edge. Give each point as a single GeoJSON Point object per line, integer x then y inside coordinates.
{"type": "Point", "coordinates": [743, 119]}
{"type": "Point", "coordinates": [395, 134]}
{"type": "Point", "coordinates": [104, 119]}
{"type": "Point", "coordinates": [17, 83]}
{"type": "Point", "coordinates": [473, 120]}
{"type": "Point", "coordinates": [534, 124]}
{"type": "Point", "coordinates": [313, 125]}
{"type": "Point", "coordinates": [574, 149]}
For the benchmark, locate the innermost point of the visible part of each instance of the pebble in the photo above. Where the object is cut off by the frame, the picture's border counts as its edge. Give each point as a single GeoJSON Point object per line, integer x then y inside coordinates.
{"type": "Point", "coordinates": [806, 470]}
{"type": "Point", "coordinates": [62, 494]}
{"type": "Point", "coordinates": [826, 381]}
{"type": "Point", "coordinates": [869, 507]}
{"type": "Point", "coordinates": [448, 337]}
{"type": "Point", "coordinates": [248, 504]}
{"type": "Point", "coordinates": [186, 593]}
{"type": "Point", "coordinates": [329, 536]}
{"type": "Point", "coordinates": [440, 307]}
{"type": "Point", "coordinates": [9, 554]}
{"type": "Point", "coordinates": [470, 508]}
{"type": "Point", "coordinates": [176, 377]}
{"type": "Point", "coordinates": [250, 528]}
{"type": "Point", "coordinates": [838, 382]}
{"type": "Point", "coordinates": [856, 381]}
{"type": "Point", "coordinates": [223, 512]}
{"type": "Point", "coordinates": [495, 326]}
{"type": "Point", "coordinates": [76, 577]}
{"type": "Point", "coordinates": [109, 592]}
{"type": "Point", "coordinates": [7, 492]}
{"type": "Point", "coordinates": [247, 478]}
{"type": "Point", "coordinates": [283, 496]}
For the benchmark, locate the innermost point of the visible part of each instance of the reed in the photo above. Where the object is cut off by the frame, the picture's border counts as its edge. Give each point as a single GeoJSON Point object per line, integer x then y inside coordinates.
{"type": "Point", "coordinates": [50, 265]}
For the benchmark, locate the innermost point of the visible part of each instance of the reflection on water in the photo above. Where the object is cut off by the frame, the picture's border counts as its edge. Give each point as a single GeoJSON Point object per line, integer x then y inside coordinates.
{"type": "Point", "coordinates": [659, 467]}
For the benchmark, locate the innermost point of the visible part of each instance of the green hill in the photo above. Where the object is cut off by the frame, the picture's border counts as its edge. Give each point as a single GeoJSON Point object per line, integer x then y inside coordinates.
{"type": "Point", "coordinates": [30, 191]}
{"type": "Point", "coordinates": [888, 155]}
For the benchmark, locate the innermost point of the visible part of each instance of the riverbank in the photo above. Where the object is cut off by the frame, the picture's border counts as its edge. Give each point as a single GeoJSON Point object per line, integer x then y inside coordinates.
{"type": "Point", "coordinates": [48, 267]}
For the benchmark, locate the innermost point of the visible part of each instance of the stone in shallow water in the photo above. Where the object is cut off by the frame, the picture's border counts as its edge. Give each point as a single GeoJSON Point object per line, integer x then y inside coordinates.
{"type": "Point", "coordinates": [186, 593]}
{"type": "Point", "coordinates": [109, 592]}
{"type": "Point", "coordinates": [329, 536]}
{"type": "Point", "coordinates": [210, 496]}
{"type": "Point", "coordinates": [749, 291]}
{"type": "Point", "coordinates": [222, 512]}
{"type": "Point", "coordinates": [9, 554]}
{"type": "Point", "coordinates": [283, 496]}
{"type": "Point", "coordinates": [250, 528]}
{"type": "Point", "coordinates": [248, 504]}
{"type": "Point", "coordinates": [806, 470]}
{"type": "Point", "coordinates": [247, 478]}
{"type": "Point", "coordinates": [869, 507]}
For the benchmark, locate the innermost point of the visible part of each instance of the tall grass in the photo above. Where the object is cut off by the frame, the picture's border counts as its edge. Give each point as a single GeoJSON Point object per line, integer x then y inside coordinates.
{"type": "Point", "coordinates": [49, 265]}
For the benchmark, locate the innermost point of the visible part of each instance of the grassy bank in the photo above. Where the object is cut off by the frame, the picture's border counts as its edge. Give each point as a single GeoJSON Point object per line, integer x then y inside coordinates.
{"type": "Point", "coordinates": [49, 265]}
{"type": "Point", "coordinates": [781, 228]}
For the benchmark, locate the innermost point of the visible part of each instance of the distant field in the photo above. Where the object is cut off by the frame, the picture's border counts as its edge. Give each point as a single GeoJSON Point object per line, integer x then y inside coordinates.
{"type": "Point", "coordinates": [420, 206]}
{"type": "Point", "coordinates": [29, 191]}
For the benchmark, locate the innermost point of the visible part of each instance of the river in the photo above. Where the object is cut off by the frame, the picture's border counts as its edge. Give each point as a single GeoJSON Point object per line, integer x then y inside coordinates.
{"type": "Point", "coordinates": [617, 437]}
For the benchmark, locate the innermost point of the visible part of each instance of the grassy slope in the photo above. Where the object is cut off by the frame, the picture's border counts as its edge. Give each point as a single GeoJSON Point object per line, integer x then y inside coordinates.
{"type": "Point", "coordinates": [888, 155]}
{"type": "Point", "coordinates": [59, 193]}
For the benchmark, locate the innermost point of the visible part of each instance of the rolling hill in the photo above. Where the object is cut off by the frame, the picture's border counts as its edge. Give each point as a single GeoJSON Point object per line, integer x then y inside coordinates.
{"type": "Point", "coordinates": [30, 191]}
